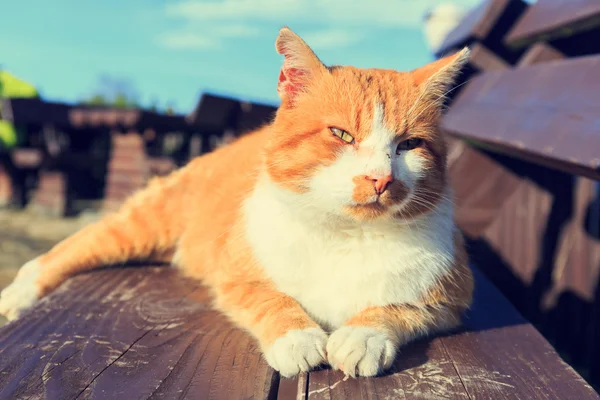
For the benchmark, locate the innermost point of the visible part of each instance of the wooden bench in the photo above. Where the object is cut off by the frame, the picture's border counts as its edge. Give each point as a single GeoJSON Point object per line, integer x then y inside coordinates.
{"type": "Point", "coordinates": [532, 112]}
{"type": "Point", "coordinates": [558, 21]}
{"type": "Point", "coordinates": [483, 30]}
{"type": "Point", "coordinates": [146, 332]}
{"type": "Point", "coordinates": [525, 167]}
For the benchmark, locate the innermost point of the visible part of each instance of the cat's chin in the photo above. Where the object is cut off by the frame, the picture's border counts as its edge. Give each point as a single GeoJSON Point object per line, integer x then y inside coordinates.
{"type": "Point", "coordinates": [367, 211]}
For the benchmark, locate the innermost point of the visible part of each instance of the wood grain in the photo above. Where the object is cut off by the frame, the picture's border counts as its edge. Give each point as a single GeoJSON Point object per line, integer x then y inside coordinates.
{"type": "Point", "coordinates": [130, 334]}
{"type": "Point", "coordinates": [497, 355]}
{"type": "Point", "coordinates": [148, 333]}
{"type": "Point", "coordinates": [530, 113]}
{"type": "Point", "coordinates": [551, 19]}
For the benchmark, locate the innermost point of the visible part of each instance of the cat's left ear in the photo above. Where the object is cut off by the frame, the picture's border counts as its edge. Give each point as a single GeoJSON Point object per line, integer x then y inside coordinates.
{"type": "Point", "coordinates": [300, 65]}
{"type": "Point", "coordinates": [436, 78]}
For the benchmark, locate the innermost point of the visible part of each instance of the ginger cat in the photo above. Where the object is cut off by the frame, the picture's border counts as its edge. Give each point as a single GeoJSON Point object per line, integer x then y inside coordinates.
{"type": "Point", "coordinates": [327, 234]}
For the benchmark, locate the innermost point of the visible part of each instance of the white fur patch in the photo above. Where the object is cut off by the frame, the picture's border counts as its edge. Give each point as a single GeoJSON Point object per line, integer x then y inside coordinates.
{"type": "Point", "coordinates": [360, 351]}
{"type": "Point", "coordinates": [22, 293]}
{"type": "Point", "coordinates": [334, 266]}
{"type": "Point", "coordinates": [331, 188]}
{"type": "Point", "coordinates": [297, 351]}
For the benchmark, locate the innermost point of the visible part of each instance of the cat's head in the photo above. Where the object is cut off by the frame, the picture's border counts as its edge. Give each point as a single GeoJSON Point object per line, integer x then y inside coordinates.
{"type": "Point", "coordinates": [359, 142]}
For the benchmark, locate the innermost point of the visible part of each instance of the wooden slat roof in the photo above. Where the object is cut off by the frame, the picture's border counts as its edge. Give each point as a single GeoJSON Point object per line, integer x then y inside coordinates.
{"type": "Point", "coordinates": [214, 112]}
{"type": "Point", "coordinates": [40, 112]}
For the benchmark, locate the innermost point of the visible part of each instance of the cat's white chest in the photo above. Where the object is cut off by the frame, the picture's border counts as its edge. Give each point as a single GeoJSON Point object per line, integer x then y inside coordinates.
{"type": "Point", "coordinates": [335, 274]}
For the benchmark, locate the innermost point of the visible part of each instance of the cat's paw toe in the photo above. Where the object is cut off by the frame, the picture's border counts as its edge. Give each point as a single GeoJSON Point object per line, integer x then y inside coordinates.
{"type": "Point", "coordinates": [22, 293]}
{"type": "Point", "coordinates": [297, 351]}
{"type": "Point", "coordinates": [361, 351]}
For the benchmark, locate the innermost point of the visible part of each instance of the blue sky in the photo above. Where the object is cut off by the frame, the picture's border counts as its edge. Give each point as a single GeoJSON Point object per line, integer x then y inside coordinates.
{"type": "Point", "coordinates": [172, 50]}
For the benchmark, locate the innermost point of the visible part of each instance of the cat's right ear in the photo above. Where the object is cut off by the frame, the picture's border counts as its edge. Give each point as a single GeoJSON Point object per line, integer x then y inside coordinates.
{"type": "Point", "coordinates": [299, 66]}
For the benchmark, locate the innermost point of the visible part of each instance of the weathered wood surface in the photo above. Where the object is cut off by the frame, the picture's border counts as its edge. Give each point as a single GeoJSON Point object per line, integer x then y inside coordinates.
{"type": "Point", "coordinates": [484, 60]}
{"type": "Point", "coordinates": [540, 53]}
{"type": "Point", "coordinates": [129, 334]}
{"type": "Point", "coordinates": [478, 199]}
{"type": "Point", "coordinates": [139, 333]}
{"type": "Point", "coordinates": [487, 24]}
{"type": "Point", "coordinates": [552, 19]}
{"type": "Point", "coordinates": [546, 113]}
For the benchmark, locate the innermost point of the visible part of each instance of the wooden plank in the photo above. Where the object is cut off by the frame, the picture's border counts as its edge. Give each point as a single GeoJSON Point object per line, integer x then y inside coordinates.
{"type": "Point", "coordinates": [497, 355]}
{"type": "Point", "coordinates": [480, 186]}
{"type": "Point", "coordinates": [484, 60]}
{"type": "Point", "coordinates": [130, 333]}
{"type": "Point", "coordinates": [149, 333]}
{"type": "Point", "coordinates": [540, 53]}
{"type": "Point", "coordinates": [553, 19]}
{"type": "Point", "coordinates": [500, 356]}
{"type": "Point", "coordinates": [574, 279]}
{"type": "Point", "coordinates": [545, 113]}
{"type": "Point", "coordinates": [293, 388]}
{"type": "Point", "coordinates": [487, 23]}
{"type": "Point", "coordinates": [423, 370]}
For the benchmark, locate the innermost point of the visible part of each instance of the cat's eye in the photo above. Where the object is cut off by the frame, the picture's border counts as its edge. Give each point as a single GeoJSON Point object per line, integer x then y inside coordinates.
{"type": "Point", "coordinates": [409, 144]}
{"type": "Point", "coordinates": [342, 134]}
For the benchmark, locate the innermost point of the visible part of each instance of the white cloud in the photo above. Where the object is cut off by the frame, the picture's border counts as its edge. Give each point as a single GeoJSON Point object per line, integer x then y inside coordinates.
{"type": "Point", "coordinates": [187, 40]}
{"type": "Point", "coordinates": [329, 38]}
{"type": "Point", "coordinates": [344, 22]}
{"type": "Point", "coordinates": [390, 13]}
{"type": "Point", "coordinates": [234, 31]}
{"type": "Point", "coordinates": [207, 37]}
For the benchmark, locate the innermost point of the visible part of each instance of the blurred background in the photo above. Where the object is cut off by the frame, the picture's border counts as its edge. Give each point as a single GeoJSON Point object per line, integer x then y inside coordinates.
{"type": "Point", "coordinates": [70, 71]}
{"type": "Point", "coordinates": [97, 97]}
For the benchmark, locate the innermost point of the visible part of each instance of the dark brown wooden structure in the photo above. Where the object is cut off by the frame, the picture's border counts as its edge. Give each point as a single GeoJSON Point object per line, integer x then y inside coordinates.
{"type": "Point", "coordinates": [483, 30]}
{"type": "Point", "coordinates": [221, 119]}
{"type": "Point", "coordinates": [525, 165]}
{"type": "Point", "coordinates": [109, 153]}
{"type": "Point", "coordinates": [147, 332]}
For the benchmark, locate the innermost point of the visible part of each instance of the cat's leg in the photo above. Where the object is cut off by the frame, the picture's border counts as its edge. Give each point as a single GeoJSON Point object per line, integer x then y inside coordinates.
{"type": "Point", "coordinates": [144, 225]}
{"type": "Point", "coordinates": [290, 340]}
{"type": "Point", "coordinates": [368, 342]}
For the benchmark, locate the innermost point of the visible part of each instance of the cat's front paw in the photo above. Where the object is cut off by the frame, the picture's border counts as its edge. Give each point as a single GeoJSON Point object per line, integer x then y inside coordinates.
{"type": "Point", "coordinates": [362, 351]}
{"type": "Point", "coordinates": [299, 350]}
{"type": "Point", "coordinates": [22, 293]}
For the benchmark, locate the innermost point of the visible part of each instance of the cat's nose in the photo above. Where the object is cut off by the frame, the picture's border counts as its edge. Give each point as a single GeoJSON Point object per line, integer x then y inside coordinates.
{"type": "Point", "coordinates": [380, 182]}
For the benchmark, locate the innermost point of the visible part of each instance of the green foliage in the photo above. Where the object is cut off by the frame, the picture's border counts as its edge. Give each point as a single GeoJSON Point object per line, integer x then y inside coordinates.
{"type": "Point", "coordinates": [119, 100]}
{"type": "Point", "coordinates": [113, 92]}
{"type": "Point", "coordinates": [12, 87]}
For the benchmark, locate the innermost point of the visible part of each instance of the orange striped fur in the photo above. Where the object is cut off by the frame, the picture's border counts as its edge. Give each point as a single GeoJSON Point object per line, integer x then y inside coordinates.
{"type": "Point", "coordinates": [325, 250]}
